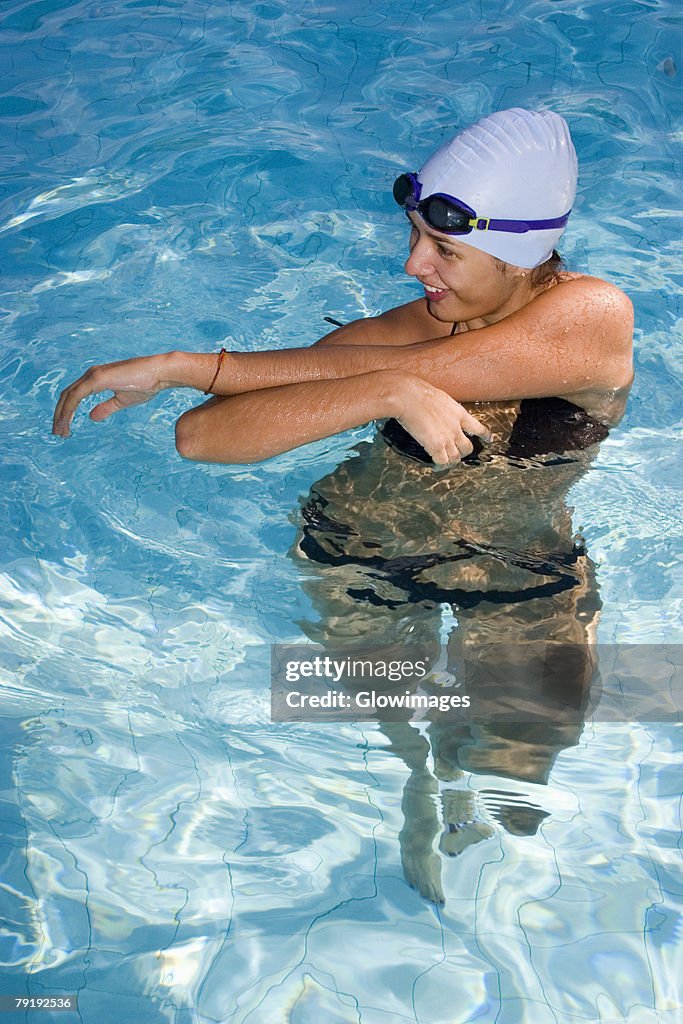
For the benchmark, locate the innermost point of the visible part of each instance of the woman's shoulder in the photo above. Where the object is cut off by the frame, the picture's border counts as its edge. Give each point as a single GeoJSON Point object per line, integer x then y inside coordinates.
{"type": "Point", "coordinates": [593, 303]}
{"type": "Point", "coordinates": [605, 314]}
{"type": "Point", "coordinates": [570, 286]}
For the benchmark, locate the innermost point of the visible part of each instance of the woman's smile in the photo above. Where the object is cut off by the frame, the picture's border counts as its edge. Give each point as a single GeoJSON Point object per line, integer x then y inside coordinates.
{"type": "Point", "coordinates": [433, 294]}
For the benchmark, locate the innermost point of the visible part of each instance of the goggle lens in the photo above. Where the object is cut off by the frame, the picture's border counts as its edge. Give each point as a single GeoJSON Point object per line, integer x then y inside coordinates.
{"type": "Point", "coordinates": [445, 216]}
{"type": "Point", "coordinates": [404, 189]}
{"type": "Point", "coordinates": [441, 213]}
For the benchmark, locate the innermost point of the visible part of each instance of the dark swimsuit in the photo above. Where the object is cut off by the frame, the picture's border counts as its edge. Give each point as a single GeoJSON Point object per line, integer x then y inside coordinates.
{"type": "Point", "coordinates": [543, 427]}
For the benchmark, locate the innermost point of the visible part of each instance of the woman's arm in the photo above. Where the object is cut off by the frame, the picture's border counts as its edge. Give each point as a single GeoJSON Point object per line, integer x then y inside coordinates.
{"type": "Point", "coordinates": [260, 424]}
{"type": "Point", "coordinates": [575, 337]}
{"type": "Point", "coordinates": [590, 351]}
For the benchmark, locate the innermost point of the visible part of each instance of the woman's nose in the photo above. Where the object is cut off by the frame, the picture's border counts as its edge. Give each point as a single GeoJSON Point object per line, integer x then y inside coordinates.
{"type": "Point", "coordinates": [420, 262]}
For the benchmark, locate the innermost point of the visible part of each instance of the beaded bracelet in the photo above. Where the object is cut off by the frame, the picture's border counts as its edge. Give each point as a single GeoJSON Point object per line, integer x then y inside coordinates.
{"type": "Point", "coordinates": [222, 353]}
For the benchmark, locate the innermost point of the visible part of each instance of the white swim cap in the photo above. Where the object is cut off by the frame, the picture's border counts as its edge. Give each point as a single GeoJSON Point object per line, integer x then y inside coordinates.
{"type": "Point", "coordinates": [514, 165]}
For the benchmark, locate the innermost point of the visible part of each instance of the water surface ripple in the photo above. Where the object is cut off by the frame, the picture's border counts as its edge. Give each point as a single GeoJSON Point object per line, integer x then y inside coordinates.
{"type": "Point", "coordinates": [180, 172]}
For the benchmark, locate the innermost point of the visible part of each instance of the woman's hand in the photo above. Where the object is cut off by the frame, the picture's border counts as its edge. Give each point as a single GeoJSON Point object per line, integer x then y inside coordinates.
{"type": "Point", "coordinates": [133, 381]}
{"type": "Point", "coordinates": [437, 421]}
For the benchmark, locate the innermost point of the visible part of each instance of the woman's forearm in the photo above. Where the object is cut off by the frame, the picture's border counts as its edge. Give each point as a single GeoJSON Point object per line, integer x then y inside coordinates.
{"type": "Point", "coordinates": [255, 426]}
{"type": "Point", "coordinates": [268, 420]}
{"type": "Point", "coordinates": [242, 372]}
{"type": "Point", "coordinates": [406, 325]}
{"type": "Point", "coordinates": [260, 424]}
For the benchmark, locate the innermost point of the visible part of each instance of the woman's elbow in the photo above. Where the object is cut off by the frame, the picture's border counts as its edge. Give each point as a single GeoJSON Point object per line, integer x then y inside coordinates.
{"type": "Point", "coordinates": [187, 438]}
{"type": "Point", "coordinates": [195, 441]}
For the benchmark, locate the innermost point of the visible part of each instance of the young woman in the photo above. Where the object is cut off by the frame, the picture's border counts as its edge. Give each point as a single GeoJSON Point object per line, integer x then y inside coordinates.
{"type": "Point", "coordinates": [499, 322]}
{"type": "Point", "coordinates": [385, 546]}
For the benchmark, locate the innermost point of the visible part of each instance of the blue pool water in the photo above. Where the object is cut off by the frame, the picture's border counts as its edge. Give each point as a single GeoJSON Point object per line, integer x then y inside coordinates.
{"type": "Point", "coordinates": [179, 172]}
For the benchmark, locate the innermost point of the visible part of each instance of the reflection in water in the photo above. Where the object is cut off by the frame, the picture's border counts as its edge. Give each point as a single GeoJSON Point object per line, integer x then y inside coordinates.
{"type": "Point", "coordinates": [478, 564]}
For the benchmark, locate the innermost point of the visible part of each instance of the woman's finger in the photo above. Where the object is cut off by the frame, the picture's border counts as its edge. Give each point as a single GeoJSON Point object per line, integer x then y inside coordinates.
{"type": "Point", "coordinates": [445, 451]}
{"type": "Point", "coordinates": [60, 420]}
{"type": "Point", "coordinates": [454, 453]}
{"type": "Point", "coordinates": [462, 442]}
{"type": "Point", "coordinates": [440, 455]}
{"type": "Point", "coordinates": [473, 426]}
{"type": "Point", "coordinates": [67, 405]}
{"type": "Point", "coordinates": [104, 409]}
{"type": "Point", "coordinates": [89, 384]}
{"type": "Point", "coordinates": [61, 401]}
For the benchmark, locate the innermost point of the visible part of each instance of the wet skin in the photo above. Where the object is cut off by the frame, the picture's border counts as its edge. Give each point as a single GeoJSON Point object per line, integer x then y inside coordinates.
{"type": "Point", "coordinates": [571, 339]}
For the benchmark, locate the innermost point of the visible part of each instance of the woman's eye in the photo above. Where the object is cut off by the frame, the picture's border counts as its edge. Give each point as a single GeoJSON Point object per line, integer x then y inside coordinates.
{"type": "Point", "coordinates": [447, 253]}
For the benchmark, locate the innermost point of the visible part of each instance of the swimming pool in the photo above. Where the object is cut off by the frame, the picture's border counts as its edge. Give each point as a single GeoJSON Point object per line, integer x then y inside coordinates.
{"type": "Point", "coordinates": [180, 172]}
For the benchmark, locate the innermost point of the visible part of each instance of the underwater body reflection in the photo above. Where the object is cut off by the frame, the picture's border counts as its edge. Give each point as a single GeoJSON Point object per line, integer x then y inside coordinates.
{"type": "Point", "coordinates": [387, 544]}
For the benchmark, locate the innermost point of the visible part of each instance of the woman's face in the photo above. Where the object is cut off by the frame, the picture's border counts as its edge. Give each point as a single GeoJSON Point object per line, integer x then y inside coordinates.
{"type": "Point", "coordinates": [462, 284]}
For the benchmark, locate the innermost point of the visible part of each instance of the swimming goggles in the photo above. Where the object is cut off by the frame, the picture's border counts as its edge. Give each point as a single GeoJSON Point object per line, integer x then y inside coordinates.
{"type": "Point", "coordinates": [453, 217]}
